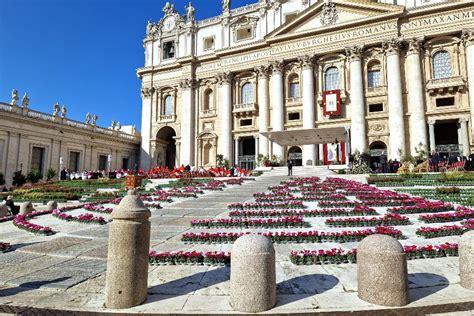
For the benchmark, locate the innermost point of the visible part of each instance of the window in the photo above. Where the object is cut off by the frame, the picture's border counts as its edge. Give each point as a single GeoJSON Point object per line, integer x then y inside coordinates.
{"type": "Point", "coordinates": [294, 87]}
{"type": "Point", "coordinates": [168, 50]}
{"type": "Point", "coordinates": [295, 116]}
{"type": "Point", "coordinates": [374, 75]}
{"type": "Point", "coordinates": [209, 43]}
{"type": "Point", "coordinates": [244, 33]}
{"type": "Point", "coordinates": [102, 162]}
{"type": "Point", "coordinates": [246, 122]}
{"type": "Point", "coordinates": [208, 100]}
{"type": "Point", "coordinates": [168, 109]}
{"type": "Point", "coordinates": [74, 160]}
{"type": "Point", "coordinates": [331, 79]}
{"type": "Point", "coordinates": [445, 101]}
{"type": "Point", "coordinates": [441, 65]}
{"type": "Point", "coordinates": [247, 93]}
{"type": "Point", "coordinates": [37, 159]}
{"type": "Point", "coordinates": [377, 107]}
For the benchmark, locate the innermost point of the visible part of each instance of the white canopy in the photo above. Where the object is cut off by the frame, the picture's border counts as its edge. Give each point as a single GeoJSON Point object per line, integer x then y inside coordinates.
{"type": "Point", "coordinates": [308, 136]}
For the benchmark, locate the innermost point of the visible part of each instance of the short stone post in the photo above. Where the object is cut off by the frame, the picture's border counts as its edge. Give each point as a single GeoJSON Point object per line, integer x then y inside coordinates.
{"type": "Point", "coordinates": [3, 210]}
{"type": "Point", "coordinates": [466, 260]}
{"type": "Point", "coordinates": [26, 208]}
{"type": "Point", "coordinates": [252, 274]}
{"type": "Point", "coordinates": [382, 276]}
{"type": "Point", "coordinates": [127, 261]}
{"type": "Point", "coordinates": [52, 205]}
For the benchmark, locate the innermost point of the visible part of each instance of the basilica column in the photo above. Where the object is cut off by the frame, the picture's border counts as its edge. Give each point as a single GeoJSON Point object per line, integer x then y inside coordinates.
{"type": "Point", "coordinates": [396, 119]}
{"type": "Point", "coordinates": [416, 102]}
{"type": "Point", "coordinates": [309, 151]}
{"type": "Point", "coordinates": [188, 136]}
{"type": "Point", "coordinates": [225, 97]}
{"type": "Point", "coordinates": [431, 124]}
{"type": "Point", "coordinates": [358, 129]}
{"type": "Point", "coordinates": [466, 150]}
{"type": "Point", "coordinates": [147, 106]}
{"type": "Point", "coordinates": [263, 108]}
{"type": "Point", "coordinates": [468, 39]}
{"type": "Point", "coordinates": [277, 105]}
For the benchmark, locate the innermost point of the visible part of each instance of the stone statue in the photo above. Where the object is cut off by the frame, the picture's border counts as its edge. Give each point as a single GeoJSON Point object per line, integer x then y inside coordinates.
{"type": "Point", "coordinates": [63, 111]}
{"type": "Point", "coordinates": [113, 125]}
{"type": "Point", "coordinates": [168, 8]}
{"type": "Point", "coordinates": [119, 126]}
{"type": "Point", "coordinates": [88, 118]}
{"type": "Point", "coordinates": [25, 101]}
{"type": "Point", "coordinates": [190, 12]}
{"type": "Point", "coordinates": [134, 130]}
{"type": "Point", "coordinates": [56, 109]}
{"type": "Point", "coordinates": [14, 97]}
{"type": "Point", "coordinates": [94, 119]}
{"type": "Point", "coordinates": [225, 5]}
{"type": "Point", "coordinates": [149, 28]}
{"type": "Point", "coordinates": [329, 14]}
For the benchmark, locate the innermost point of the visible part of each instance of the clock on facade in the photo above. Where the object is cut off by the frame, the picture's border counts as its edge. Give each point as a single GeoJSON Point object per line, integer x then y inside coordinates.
{"type": "Point", "coordinates": [169, 23]}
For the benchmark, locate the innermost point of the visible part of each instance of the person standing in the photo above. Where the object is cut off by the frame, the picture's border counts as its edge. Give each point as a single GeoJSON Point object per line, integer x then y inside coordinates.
{"type": "Point", "coordinates": [289, 164]}
{"type": "Point", "coordinates": [435, 160]}
{"type": "Point", "coordinates": [383, 162]}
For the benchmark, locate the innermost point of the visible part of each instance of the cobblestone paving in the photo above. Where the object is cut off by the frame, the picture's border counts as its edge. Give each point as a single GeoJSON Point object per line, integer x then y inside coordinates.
{"type": "Point", "coordinates": [66, 271]}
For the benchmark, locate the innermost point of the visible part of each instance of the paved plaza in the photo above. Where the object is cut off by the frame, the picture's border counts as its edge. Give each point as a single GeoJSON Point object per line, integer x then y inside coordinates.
{"type": "Point", "coordinates": [66, 271]}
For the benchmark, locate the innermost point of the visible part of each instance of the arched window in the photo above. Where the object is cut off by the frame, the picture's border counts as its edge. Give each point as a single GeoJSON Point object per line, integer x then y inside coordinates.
{"type": "Point", "coordinates": [168, 109]}
{"type": "Point", "coordinates": [247, 93]}
{"type": "Point", "coordinates": [331, 79]}
{"type": "Point", "coordinates": [294, 86]}
{"type": "Point", "coordinates": [441, 65]}
{"type": "Point", "coordinates": [208, 100]}
{"type": "Point", "coordinates": [374, 75]}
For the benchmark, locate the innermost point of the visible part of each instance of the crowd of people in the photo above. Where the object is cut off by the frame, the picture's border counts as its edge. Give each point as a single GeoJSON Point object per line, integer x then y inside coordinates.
{"type": "Point", "coordinates": [182, 171]}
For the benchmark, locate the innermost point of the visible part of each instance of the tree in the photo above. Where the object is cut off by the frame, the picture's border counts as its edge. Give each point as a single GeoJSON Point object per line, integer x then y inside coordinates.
{"type": "Point", "coordinates": [34, 176]}
{"type": "Point", "coordinates": [18, 179]}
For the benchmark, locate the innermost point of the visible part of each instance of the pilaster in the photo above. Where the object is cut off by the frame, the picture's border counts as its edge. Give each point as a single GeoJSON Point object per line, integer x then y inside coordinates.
{"type": "Point", "coordinates": [188, 134]}
{"type": "Point", "coordinates": [225, 140]}
{"type": "Point", "coordinates": [263, 107]}
{"type": "Point", "coordinates": [277, 106]}
{"type": "Point", "coordinates": [468, 41]}
{"type": "Point", "coordinates": [147, 105]}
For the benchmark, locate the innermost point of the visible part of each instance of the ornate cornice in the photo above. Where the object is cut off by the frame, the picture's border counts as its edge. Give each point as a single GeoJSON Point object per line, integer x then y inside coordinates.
{"type": "Point", "coordinates": [262, 72]}
{"type": "Point", "coordinates": [354, 53]}
{"type": "Point", "coordinates": [468, 37]}
{"type": "Point", "coordinates": [277, 66]}
{"type": "Point", "coordinates": [415, 45]}
{"type": "Point", "coordinates": [306, 61]}
{"type": "Point", "coordinates": [147, 92]}
{"type": "Point", "coordinates": [224, 78]}
{"type": "Point", "coordinates": [187, 83]}
{"type": "Point", "coordinates": [392, 46]}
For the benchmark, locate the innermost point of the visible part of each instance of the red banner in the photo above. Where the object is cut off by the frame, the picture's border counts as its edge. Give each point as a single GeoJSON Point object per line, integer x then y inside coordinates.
{"type": "Point", "coordinates": [332, 102]}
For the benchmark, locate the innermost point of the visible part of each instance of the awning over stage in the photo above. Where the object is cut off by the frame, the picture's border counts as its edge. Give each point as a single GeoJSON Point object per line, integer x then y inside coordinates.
{"type": "Point", "coordinates": [308, 136]}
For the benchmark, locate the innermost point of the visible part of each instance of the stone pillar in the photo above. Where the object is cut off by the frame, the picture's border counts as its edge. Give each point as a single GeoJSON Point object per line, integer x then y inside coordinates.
{"type": "Point", "coordinates": [52, 205]}
{"type": "Point", "coordinates": [252, 274]}
{"type": "Point", "coordinates": [382, 276]}
{"type": "Point", "coordinates": [396, 115]}
{"type": "Point", "coordinates": [358, 127]}
{"type": "Point", "coordinates": [26, 208]}
{"type": "Point", "coordinates": [147, 105]}
{"type": "Point", "coordinates": [263, 108]}
{"type": "Point", "coordinates": [127, 260]}
{"type": "Point", "coordinates": [236, 151]}
{"type": "Point", "coordinates": [278, 119]}
{"type": "Point", "coordinates": [468, 40]}
{"type": "Point", "coordinates": [187, 122]}
{"type": "Point", "coordinates": [309, 117]}
{"type": "Point", "coordinates": [257, 146]}
{"type": "Point", "coordinates": [431, 124]}
{"type": "Point", "coordinates": [416, 100]}
{"type": "Point", "coordinates": [225, 139]}
{"type": "Point", "coordinates": [466, 148]}
{"type": "Point", "coordinates": [466, 260]}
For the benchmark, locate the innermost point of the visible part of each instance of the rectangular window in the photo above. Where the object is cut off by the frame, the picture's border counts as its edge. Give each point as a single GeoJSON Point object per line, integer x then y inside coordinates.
{"type": "Point", "coordinates": [295, 116]}
{"type": "Point", "coordinates": [74, 157]}
{"type": "Point", "coordinates": [168, 50]}
{"type": "Point", "coordinates": [445, 101]}
{"type": "Point", "coordinates": [244, 33]}
{"type": "Point", "coordinates": [377, 107]}
{"type": "Point", "coordinates": [209, 43]}
{"type": "Point", "coordinates": [102, 162]}
{"type": "Point", "coordinates": [294, 90]}
{"type": "Point", "coordinates": [125, 163]}
{"type": "Point", "coordinates": [373, 78]}
{"type": "Point", "coordinates": [245, 122]}
{"type": "Point", "coordinates": [37, 159]}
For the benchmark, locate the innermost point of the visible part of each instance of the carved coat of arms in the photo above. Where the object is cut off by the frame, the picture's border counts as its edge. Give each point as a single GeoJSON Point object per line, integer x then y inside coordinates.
{"type": "Point", "coordinates": [329, 13]}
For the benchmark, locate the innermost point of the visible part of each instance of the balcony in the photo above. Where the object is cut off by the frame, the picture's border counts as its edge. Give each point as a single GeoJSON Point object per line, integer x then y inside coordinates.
{"type": "Point", "coordinates": [208, 113]}
{"type": "Point", "coordinates": [376, 91]}
{"type": "Point", "coordinates": [295, 101]}
{"type": "Point", "coordinates": [245, 109]}
{"type": "Point", "coordinates": [446, 85]}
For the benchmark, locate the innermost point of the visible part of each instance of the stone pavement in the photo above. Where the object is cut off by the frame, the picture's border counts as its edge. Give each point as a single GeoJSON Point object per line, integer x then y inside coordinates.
{"type": "Point", "coordinates": [66, 271]}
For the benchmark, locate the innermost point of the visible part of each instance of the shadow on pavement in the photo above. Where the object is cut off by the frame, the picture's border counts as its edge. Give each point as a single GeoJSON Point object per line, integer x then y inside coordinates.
{"type": "Point", "coordinates": [28, 286]}
{"type": "Point", "coordinates": [425, 284]}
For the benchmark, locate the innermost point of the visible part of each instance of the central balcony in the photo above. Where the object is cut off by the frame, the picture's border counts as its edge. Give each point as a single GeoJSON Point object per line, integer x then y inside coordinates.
{"type": "Point", "coordinates": [245, 109]}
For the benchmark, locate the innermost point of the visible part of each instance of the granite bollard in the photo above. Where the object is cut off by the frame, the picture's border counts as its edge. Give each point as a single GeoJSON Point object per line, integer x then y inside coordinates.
{"type": "Point", "coordinates": [252, 274]}
{"type": "Point", "coordinates": [382, 276]}
{"type": "Point", "coordinates": [3, 210]}
{"type": "Point", "coordinates": [26, 208]}
{"type": "Point", "coordinates": [127, 262]}
{"type": "Point", "coordinates": [52, 205]}
{"type": "Point", "coordinates": [466, 260]}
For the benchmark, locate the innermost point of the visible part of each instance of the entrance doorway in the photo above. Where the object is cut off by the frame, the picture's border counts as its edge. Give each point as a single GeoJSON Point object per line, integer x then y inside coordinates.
{"type": "Point", "coordinates": [246, 153]}
{"type": "Point", "coordinates": [296, 155]}
{"type": "Point", "coordinates": [167, 156]}
{"type": "Point", "coordinates": [376, 150]}
{"type": "Point", "coordinates": [447, 139]}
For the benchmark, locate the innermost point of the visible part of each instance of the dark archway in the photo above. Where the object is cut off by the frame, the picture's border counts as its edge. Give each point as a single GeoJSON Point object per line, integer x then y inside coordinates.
{"type": "Point", "coordinates": [166, 136]}
{"type": "Point", "coordinates": [376, 150]}
{"type": "Point", "coordinates": [296, 154]}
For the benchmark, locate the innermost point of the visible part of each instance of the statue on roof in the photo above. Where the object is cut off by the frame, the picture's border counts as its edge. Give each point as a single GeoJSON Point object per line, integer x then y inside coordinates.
{"type": "Point", "coordinates": [56, 109]}
{"type": "Point", "coordinates": [15, 97]}
{"type": "Point", "coordinates": [168, 8]}
{"type": "Point", "coordinates": [226, 5]}
{"type": "Point", "coordinates": [63, 111]}
{"type": "Point", "coordinates": [88, 118]}
{"type": "Point", "coordinates": [94, 119]}
{"type": "Point", "coordinates": [190, 12]}
{"type": "Point", "coordinates": [25, 101]}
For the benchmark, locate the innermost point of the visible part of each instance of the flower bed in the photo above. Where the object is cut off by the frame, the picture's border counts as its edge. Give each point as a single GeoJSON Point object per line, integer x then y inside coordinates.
{"type": "Point", "coordinates": [422, 207]}
{"type": "Point", "coordinates": [98, 208]}
{"type": "Point", "coordinates": [339, 204]}
{"type": "Point", "coordinates": [469, 224]}
{"type": "Point", "coordinates": [21, 221]}
{"type": "Point", "coordinates": [5, 247]}
{"type": "Point", "coordinates": [460, 214]}
{"type": "Point", "coordinates": [189, 258]}
{"type": "Point", "coordinates": [82, 218]}
{"type": "Point", "coordinates": [290, 221]}
{"type": "Point", "coordinates": [266, 206]}
{"type": "Point", "coordinates": [292, 237]}
{"type": "Point", "coordinates": [435, 232]}
{"type": "Point", "coordinates": [6, 218]}
{"type": "Point", "coordinates": [337, 256]}
{"type": "Point", "coordinates": [359, 210]}
{"type": "Point", "coordinates": [386, 220]}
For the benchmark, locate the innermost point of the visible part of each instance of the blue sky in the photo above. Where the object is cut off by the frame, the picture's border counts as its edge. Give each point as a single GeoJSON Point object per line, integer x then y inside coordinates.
{"type": "Point", "coordinates": [81, 53]}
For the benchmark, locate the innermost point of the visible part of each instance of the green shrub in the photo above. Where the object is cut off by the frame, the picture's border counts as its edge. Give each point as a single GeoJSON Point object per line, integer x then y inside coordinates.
{"type": "Point", "coordinates": [448, 190]}
{"type": "Point", "coordinates": [382, 179]}
{"type": "Point", "coordinates": [34, 176]}
{"type": "Point", "coordinates": [341, 171]}
{"type": "Point", "coordinates": [50, 174]}
{"type": "Point", "coordinates": [18, 179]}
